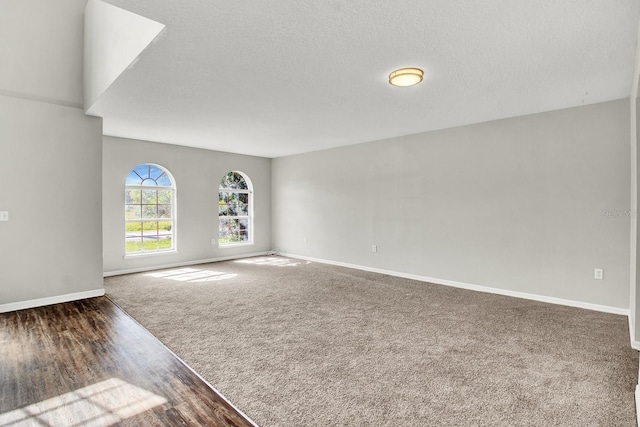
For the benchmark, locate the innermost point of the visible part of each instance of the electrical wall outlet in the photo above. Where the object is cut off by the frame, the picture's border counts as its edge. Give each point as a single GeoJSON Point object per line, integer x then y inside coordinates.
{"type": "Point", "coordinates": [374, 248]}
{"type": "Point", "coordinates": [598, 274]}
{"type": "Point", "coordinates": [4, 216]}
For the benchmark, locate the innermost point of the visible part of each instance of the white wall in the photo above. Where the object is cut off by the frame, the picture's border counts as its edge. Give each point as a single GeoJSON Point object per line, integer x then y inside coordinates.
{"type": "Point", "coordinates": [197, 174]}
{"type": "Point", "coordinates": [50, 167]}
{"type": "Point", "coordinates": [530, 204]}
{"type": "Point", "coordinates": [41, 50]}
{"type": "Point", "coordinates": [50, 159]}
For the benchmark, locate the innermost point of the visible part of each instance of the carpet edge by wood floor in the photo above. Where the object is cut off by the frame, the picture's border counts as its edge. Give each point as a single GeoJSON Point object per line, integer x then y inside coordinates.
{"type": "Point", "coordinates": [293, 342]}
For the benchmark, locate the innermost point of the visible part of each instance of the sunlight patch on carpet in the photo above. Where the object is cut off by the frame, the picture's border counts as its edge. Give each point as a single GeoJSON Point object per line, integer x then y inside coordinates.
{"type": "Point", "coordinates": [274, 261]}
{"type": "Point", "coordinates": [192, 275]}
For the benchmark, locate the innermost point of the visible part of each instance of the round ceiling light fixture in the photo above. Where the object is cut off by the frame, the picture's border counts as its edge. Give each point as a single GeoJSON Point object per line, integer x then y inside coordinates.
{"type": "Point", "coordinates": [406, 77]}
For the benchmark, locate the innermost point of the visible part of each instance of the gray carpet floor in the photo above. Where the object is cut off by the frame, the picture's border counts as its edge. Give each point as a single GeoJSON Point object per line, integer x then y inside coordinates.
{"type": "Point", "coordinates": [294, 343]}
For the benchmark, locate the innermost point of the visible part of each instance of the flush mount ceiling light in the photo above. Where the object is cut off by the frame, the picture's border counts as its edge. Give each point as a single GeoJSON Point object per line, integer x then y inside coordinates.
{"type": "Point", "coordinates": [406, 77]}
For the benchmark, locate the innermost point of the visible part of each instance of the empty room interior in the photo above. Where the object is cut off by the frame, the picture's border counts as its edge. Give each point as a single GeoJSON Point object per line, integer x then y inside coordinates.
{"type": "Point", "coordinates": [319, 213]}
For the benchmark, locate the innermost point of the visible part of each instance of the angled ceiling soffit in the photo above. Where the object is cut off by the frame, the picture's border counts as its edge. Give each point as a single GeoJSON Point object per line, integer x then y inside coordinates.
{"type": "Point", "coordinates": [113, 40]}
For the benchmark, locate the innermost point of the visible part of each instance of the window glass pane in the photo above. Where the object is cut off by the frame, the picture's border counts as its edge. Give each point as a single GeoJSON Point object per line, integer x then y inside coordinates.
{"type": "Point", "coordinates": [229, 223]}
{"type": "Point", "coordinates": [155, 172]}
{"type": "Point", "coordinates": [228, 226]}
{"type": "Point", "coordinates": [149, 211]}
{"type": "Point", "coordinates": [133, 229]}
{"type": "Point", "coordinates": [233, 180]}
{"type": "Point", "coordinates": [133, 244]}
{"type": "Point", "coordinates": [164, 227]}
{"type": "Point", "coordinates": [165, 242]}
{"type": "Point", "coordinates": [234, 201]}
{"type": "Point", "coordinates": [150, 244]}
{"type": "Point", "coordinates": [230, 232]}
{"type": "Point", "coordinates": [150, 228]}
{"type": "Point", "coordinates": [132, 196]}
{"type": "Point", "coordinates": [241, 184]}
{"type": "Point", "coordinates": [142, 170]}
{"type": "Point", "coordinates": [164, 211]}
{"type": "Point", "coordinates": [132, 211]}
{"type": "Point", "coordinates": [148, 205]}
{"type": "Point", "coordinates": [149, 197]}
{"type": "Point", "coordinates": [164, 197]}
{"type": "Point", "coordinates": [164, 181]}
{"type": "Point", "coordinates": [133, 178]}
{"type": "Point", "coordinates": [224, 232]}
{"type": "Point", "coordinates": [243, 209]}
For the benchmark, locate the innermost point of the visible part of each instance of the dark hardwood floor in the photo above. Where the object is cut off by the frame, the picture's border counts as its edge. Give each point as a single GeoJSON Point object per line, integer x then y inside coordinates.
{"type": "Point", "coordinates": [87, 363]}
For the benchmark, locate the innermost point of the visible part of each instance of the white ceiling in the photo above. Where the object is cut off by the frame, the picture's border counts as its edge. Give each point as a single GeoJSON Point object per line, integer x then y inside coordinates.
{"type": "Point", "coordinates": [273, 78]}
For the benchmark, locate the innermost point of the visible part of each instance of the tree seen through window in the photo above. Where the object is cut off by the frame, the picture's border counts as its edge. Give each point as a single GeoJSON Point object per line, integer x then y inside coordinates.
{"type": "Point", "coordinates": [234, 209]}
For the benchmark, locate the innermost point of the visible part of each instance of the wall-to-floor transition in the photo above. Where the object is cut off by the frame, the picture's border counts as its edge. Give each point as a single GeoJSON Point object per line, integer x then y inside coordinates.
{"type": "Point", "coordinates": [530, 204]}
{"type": "Point", "coordinates": [197, 175]}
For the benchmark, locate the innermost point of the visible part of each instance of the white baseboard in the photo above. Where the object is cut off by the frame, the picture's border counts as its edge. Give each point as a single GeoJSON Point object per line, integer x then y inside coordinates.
{"type": "Point", "coordinates": [40, 302]}
{"type": "Point", "coordinates": [632, 333]}
{"type": "Point", "coordinates": [181, 264]}
{"type": "Point", "coordinates": [468, 286]}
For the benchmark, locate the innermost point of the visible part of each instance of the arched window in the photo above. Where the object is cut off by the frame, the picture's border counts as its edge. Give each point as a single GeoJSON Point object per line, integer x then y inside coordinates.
{"type": "Point", "coordinates": [150, 210]}
{"type": "Point", "coordinates": [235, 210]}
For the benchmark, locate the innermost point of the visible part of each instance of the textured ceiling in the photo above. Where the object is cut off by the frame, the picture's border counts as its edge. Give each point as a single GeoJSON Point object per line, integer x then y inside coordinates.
{"type": "Point", "coordinates": [273, 78]}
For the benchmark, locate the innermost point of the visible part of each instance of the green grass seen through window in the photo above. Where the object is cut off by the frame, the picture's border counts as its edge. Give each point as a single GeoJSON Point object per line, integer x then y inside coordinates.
{"type": "Point", "coordinates": [149, 245]}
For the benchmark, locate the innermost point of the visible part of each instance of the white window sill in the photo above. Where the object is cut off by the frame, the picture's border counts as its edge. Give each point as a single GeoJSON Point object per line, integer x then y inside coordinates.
{"type": "Point", "coordinates": [235, 245]}
{"type": "Point", "coordinates": [150, 254]}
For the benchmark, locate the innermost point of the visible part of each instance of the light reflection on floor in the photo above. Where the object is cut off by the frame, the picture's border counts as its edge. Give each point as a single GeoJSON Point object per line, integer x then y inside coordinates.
{"type": "Point", "coordinates": [192, 275]}
{"type": "Point", "coordinates": [101, 404]}
{"type": "Point", "coordinates": [275, 261]}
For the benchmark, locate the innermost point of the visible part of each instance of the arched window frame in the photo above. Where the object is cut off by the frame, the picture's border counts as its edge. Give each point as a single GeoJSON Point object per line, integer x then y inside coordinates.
{"type": "Point", "coordinates": [235, 225]}
{"type": "Point", "coordinates": [146, 209]}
